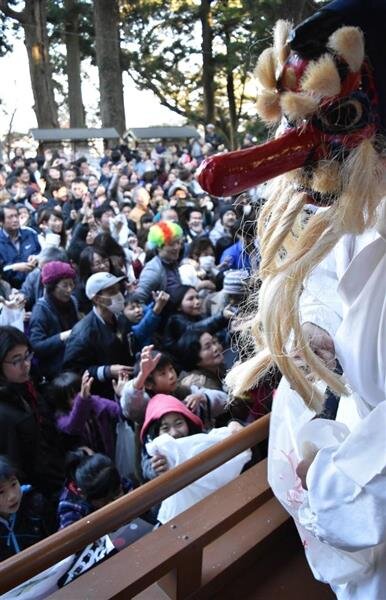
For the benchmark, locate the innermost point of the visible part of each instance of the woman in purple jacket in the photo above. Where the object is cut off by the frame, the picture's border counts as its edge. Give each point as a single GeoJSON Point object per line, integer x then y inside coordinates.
{"type": "Point", "coordinates": [90, 419]}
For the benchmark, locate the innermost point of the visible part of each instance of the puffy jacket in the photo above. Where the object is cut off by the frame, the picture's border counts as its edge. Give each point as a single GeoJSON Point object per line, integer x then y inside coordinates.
{"type": "Point", "coordinates": [153, 277]}
{"type": "Point", "coordinates": [9, 254]}
{"type": "Point", "coordinates": [94, 345]}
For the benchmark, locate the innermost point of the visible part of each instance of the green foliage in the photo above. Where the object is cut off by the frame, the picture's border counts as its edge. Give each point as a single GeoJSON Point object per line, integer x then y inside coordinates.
{"type": "Point", "coordinates": [9, 30]}
{"type": "Point", "coordinates": [161, 50]}
{"type": "Point", "coordinates": [59, 22]}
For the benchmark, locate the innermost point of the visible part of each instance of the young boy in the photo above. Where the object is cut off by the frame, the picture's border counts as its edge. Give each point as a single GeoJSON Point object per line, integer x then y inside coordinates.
{"type": "Point", "coordinates": [157, 375]}
{"type": "Point", "coordinates": [142, 323]}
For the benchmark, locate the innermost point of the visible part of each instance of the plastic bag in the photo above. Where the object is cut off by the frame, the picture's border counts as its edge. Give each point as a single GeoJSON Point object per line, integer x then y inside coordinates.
{"type": "Point", "coordinates": [125, 450]}
{"type": "Point", "coordinates": [178, 451]}
{"type": "Point", "coordinates": [12, 316]}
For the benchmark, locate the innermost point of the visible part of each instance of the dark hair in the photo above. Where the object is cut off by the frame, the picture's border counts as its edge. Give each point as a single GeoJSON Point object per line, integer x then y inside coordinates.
{"type": "Point", "coordinates": [63, 389]}
{"type": "Point", "coordinates": [55, 186]}
{"type": "Point", "coordinates": [95, 474]}
{"type": "Point", "coordinates": [8, 206]}
{"type": "Point", "coordinates": [18, 171]}
{"type": "Point", "coordinates": [45, 213]}
{"type": "Point", "coordinates": [153, 430]}
{"type": "Point", "coordinates": [10, 337]}
{"type": "Point", "coordinates": [105, 245]}
{"type": "Point", "coordinates": [163, 362]}
{"type": "Point", "coordinates": [101, 210]}
{"type": "Point", "coordinates": [86, 260]}
{"type": "Point", "coordinates": [199, 245]}
{"type": "Point", "coordinates": [189, 348]}
{"type": "Point", "coordinates": [7, 469]}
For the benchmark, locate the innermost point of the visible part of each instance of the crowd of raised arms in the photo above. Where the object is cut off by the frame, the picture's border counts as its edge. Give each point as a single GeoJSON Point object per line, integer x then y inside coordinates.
{"type": "Point", "coordinates": [121, 284]}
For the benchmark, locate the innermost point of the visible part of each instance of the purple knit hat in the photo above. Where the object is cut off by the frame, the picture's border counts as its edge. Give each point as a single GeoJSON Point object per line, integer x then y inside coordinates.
{"type": "Point", "coordinates": [56, 270]}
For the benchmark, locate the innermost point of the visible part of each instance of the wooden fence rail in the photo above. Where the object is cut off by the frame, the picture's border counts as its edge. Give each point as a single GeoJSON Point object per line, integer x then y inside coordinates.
{"type": "Point", "coordinates": [48, 552]}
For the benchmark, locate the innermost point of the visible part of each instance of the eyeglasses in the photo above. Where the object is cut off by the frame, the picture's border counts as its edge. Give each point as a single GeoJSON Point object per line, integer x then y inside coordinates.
{"type": "Point", "coordinates": [18, 362]}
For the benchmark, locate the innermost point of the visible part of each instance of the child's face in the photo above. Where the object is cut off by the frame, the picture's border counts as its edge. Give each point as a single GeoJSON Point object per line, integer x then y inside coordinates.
{"type": "Point", "coordinates": [175, 425]}
{"type": "Point", "coordinates": [164, 380]}
{"type": "Point", "coordinates": [133, 312]}
{"type": "Point", "coordinates": [10, 496]}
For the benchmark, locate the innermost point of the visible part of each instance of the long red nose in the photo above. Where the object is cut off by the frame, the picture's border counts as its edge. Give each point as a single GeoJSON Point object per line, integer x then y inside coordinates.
{"type": "Point", "coordinates": [234, 172]}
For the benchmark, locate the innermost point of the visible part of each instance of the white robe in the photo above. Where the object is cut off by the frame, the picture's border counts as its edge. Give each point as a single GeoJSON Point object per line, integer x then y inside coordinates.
{"type": "Point", "coordinates": [342, 517]}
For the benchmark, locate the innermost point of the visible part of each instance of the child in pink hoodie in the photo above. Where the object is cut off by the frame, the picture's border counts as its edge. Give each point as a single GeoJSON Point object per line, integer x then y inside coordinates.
{"type": "Point", "coordinates": [165, 414]}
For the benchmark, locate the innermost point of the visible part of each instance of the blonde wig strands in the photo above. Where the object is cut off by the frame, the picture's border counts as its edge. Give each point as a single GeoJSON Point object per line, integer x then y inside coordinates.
{"type": "Point", "coordinates": [321, 78]}
{"type": "Point", "coordinates": [363, 189]}
{"type": "Point", "coordinates": [326, 178]}
{"type": "Point", "coordinates": [278, 231]}
{"type": "Point", "coordinates": [280, 36]}
{"type": "Point", "coordinates": [348, 43]}
{"type": "Point", "coordinates": [265, 70]}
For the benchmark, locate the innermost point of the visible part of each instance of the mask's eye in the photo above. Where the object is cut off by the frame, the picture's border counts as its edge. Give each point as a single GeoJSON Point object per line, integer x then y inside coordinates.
{"type": "Point", "coordinates": [343, 116]}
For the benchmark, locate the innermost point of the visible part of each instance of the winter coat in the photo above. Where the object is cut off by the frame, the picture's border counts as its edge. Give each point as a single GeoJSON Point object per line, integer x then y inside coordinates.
{"type": "Point", "coordinates": [45, 330]}
{"type": "Point", "coordinates": [94, 345]}
{"type": "Point", "coordinates": [153, 277]}
{"type": "Point", "coordinates": [32, 288]}
{"type": "Point", "coordinates": [29, 438]}
{"type": "Point", "coordinates": [9, 254]}
{"type": "Point", "coordinates": [72, 506]}
{"type": "Point", "coordinates": [93, 421]}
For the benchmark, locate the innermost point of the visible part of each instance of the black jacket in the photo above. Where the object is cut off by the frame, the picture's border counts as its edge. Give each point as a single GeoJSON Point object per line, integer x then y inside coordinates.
{"type": "Point", "coordinates": [94, 345]}
{"type": "Point", "coordinates": [28, 437]}
{"type": "Point", "coordinates": [45, 330]}
{"type": "Point", "coordinates": [19, 430]}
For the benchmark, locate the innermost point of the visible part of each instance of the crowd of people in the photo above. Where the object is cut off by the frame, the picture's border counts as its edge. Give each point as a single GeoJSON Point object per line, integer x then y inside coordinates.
{"type": "Point", "coordinates": [121, 284]}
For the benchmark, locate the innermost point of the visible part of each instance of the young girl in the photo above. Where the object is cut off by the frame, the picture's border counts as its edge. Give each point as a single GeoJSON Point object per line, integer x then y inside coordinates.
{"type": "Point", "coordinates": [90, 419]}
{"type": "Point", "coordinates": [92, 482]}
{"type": "Point", "coordinates": [21, 510]}
{"type": "Point", "coordinates": [165, 414]}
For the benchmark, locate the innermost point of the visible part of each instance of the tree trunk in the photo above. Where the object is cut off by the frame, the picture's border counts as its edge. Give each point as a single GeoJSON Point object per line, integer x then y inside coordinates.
{"type": "Point", "coordinates": [207, 62]}
{"type": "Point", "coordinates": [36, 42]}
{"type": "Point", "coordinates": [106, 20]}
{"type": "Point", "coordinates": [231, 97]}
{"type": "Point", "coordinates": [75, 102]}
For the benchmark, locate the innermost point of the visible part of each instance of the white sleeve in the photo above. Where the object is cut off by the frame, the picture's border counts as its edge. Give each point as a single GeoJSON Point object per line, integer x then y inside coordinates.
{"type": "Point", "coordinates": [133, 402]}
{"type": "Point", "coordinates": [346, 501]}
{"type": "Point", "coordinates": [320, 302]}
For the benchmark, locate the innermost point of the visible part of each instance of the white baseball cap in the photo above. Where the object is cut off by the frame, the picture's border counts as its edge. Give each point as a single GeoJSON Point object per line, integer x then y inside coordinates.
{"type": "Point", "coordinates": [100, 281]}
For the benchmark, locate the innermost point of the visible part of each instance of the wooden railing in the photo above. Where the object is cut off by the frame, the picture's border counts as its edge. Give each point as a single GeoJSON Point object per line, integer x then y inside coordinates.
{"type": "Point", "coordinates": [72, 539]}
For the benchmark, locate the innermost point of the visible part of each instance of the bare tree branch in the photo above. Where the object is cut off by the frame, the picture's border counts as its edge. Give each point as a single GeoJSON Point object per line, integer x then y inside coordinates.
{"type": "Point", "coordinates": [13, 14]}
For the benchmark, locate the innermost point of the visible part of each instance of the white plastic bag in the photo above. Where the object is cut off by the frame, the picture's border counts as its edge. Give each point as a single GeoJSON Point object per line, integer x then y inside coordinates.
{"type": "Point", "coordinates": [12, 316]}
{"type": "Point", "coordinates": [125, 450]}
{"type": "Point", "coordinates": [180, 450]}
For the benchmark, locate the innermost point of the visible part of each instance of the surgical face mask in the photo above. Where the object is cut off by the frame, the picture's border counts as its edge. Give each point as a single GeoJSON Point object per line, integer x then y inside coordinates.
{"type": "Point", "coordinates": [117, 304]}
{"type": "Point", "coordinates": [206, 262]}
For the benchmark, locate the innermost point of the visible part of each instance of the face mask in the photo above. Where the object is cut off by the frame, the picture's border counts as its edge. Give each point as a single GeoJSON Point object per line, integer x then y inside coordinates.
{"type": "Point", "coordinates": [117, 304]}
{"type": "Point", "coordinates": [206, 262]}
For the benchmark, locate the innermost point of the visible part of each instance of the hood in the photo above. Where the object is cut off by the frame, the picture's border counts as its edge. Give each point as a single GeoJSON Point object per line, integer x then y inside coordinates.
{"type": "Point", "coordinates": [160, 405]}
